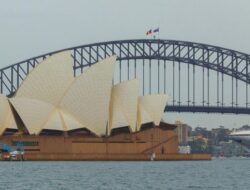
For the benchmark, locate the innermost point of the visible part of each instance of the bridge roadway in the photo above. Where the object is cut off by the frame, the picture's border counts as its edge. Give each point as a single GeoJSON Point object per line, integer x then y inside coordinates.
{"type": "Point", "coordinates": [207, 109]}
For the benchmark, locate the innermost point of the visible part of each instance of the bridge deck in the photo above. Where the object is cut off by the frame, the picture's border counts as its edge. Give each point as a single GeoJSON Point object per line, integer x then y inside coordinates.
{"type": "Point", "coordinates": [207, 109]}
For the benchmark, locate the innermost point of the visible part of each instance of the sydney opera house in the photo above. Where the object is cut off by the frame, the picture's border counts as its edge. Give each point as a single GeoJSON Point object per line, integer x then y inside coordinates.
{"type": "Point", "coordinates": [57, 116]}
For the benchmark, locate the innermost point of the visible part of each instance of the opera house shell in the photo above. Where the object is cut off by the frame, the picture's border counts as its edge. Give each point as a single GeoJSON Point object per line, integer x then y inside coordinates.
{"type": "Point", "coordinates": [51, 104]}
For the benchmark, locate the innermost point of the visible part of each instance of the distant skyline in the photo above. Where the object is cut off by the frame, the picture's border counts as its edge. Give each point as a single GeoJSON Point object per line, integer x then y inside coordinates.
{"type": "Point", "coordinates": [36, 27]}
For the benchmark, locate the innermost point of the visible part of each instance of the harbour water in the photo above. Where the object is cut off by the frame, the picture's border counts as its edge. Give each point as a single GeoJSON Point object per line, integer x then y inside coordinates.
{"type": "Point", "coordinates": [216, 174]}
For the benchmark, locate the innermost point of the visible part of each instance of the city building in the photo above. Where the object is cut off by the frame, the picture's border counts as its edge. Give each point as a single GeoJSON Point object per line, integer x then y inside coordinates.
{"type": "Point", "coordinates": [183, 132]}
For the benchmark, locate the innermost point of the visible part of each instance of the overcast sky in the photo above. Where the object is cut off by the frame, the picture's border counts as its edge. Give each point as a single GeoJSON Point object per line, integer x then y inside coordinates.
{"type": "Point", "coordinates": [32, 27]}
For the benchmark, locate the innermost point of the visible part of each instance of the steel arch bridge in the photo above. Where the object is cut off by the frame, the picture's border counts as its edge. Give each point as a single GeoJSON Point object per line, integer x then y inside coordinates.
{"type": "Point", "coordinates": [198, 77]}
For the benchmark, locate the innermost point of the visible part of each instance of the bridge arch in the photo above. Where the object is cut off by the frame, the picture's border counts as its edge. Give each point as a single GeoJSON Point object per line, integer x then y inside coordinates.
{"type": "Point", "coordinates": [159, 53]}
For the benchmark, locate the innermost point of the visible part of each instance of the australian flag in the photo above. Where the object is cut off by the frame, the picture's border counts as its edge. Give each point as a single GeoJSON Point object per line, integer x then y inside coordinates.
{"type": "Point", "coordinates": [156, 30]}
{"type": "Point", "coordinates": [149, 32]}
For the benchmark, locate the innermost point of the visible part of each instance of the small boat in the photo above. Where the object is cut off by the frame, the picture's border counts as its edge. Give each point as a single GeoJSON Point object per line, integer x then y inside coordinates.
{"type": "Point", "coordinates": [152, 157]}
{"type": "Point", "coordinates": [221, 157]}
{"type": "Point", "coordinates": [9, 154]}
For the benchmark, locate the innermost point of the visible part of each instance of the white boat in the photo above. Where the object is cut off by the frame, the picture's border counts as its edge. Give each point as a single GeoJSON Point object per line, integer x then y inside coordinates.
{"type": "Point", "coordinates": [241, 136]}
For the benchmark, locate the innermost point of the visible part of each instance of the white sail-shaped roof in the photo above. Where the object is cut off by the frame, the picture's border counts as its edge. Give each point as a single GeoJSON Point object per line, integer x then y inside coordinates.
{"type": "Point", "coordinates": [54, 122]}
{"type": "Point", "coordinates": [116, 116]}
{"type": "Point", "coordinates": [38, 115]}
{"type": "Point", "coordinates": [88, 96]}
{"type": "Point", "coordinates": [49, 80]}
{"type": "Point", "coordinates": [51, 98]}
{"type": "Point", "coordinates": [143, 116]}
{"type": "Point", "coordinates": [70, 122]}
{"type": "Point", "coordinates": [124, 102]}
{"type": "Point", "coordinates": [61, 121]}
{"type": "Point", "coordinates": [11, 123]}
{"type": "Point", "coordinates": [6, 116]}
{"type": "Point", "coordinates": [34, 113]}
{"type": "Point", "coordinates": [151, 108]}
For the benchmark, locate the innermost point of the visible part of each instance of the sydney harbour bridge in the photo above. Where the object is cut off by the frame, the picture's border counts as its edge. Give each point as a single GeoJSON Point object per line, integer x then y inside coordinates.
{"type": "Point", "coordinates": [197, 77]}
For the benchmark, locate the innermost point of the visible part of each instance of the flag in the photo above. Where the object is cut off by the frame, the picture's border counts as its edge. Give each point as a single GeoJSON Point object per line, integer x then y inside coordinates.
{"type": "Point", "coordinates": [149, 32]}
{"type": "Point", "coordinates": [156, 30]}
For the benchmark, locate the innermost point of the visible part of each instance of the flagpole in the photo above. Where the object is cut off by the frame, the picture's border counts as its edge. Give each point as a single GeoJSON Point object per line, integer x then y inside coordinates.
{"type": "Point", "coordinates": [158, 32]}
{"type": "Point", "coordinates": [151, 34]}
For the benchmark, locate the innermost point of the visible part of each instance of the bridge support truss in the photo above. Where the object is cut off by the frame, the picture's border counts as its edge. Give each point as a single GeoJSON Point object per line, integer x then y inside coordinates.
{"type": "Point", "coordinates": [197, 77]}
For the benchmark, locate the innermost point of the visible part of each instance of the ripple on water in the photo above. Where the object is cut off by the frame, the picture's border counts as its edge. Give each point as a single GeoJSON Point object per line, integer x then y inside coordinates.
{"type": "Point", "coordinates": [227, 174]}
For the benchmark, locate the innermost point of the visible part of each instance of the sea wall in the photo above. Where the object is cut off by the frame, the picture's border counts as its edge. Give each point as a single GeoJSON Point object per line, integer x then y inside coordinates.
{"type": "Point", "coordinates": [114, 157]}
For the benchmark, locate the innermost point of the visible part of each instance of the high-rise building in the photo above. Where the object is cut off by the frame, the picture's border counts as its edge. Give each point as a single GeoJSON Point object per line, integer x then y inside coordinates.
{"type": "Point", "coordinates": [183, 132]}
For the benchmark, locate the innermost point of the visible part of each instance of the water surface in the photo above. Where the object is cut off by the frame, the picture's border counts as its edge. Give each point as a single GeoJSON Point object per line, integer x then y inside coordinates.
{"type": "Point", "coordinates": [217, 174]}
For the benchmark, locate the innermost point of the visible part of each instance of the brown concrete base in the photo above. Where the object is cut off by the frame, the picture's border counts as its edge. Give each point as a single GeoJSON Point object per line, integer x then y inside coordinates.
{"type": "Point", "coordinates": [160, 141]}
{"type": "Point", "coordinates": [115, 157]}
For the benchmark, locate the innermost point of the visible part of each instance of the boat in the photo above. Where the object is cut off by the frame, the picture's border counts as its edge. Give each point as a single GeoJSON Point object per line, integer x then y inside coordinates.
{"type": "Point", "coordinates": [242, 137]}
{"type": "Point", "coordinates": [221, 157]}
{"type": "Point", "coordinates": [8, 153]}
